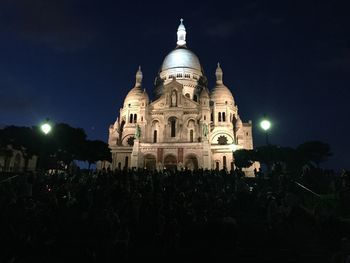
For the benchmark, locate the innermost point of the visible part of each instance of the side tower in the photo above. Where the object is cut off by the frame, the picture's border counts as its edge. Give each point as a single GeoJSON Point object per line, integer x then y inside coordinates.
{"type": "Point", "coordinates": [132, 116]}
{"type": "Point", "coordinates": [228, 133]}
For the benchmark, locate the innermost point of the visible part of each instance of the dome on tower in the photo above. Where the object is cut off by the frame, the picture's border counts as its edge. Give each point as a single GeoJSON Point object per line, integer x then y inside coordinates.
{"type": "Point", "coordinates": [181, 57]}
{"type": "Point", "coordinates": [183, 65]}
{"type": "Point", "coordinates": [221, 93]}
{"type": "Point", "coordinates": [134, 94]}
{"type": "Point", "coordinates": [145, 95]}
{"type": "Point", "coordinates": [137, 93]}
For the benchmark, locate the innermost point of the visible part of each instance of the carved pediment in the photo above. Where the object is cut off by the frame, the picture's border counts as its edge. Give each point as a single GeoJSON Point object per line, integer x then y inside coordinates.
{"type": "Point", "coordinates": [159, 103]}
{"type": "Point", "coordinates": [173, 85]}
{"type": "Point", "coordinates": [188, 103]}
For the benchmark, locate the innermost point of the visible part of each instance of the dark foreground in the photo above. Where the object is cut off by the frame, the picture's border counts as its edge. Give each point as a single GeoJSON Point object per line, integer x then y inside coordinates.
{"type": "Point", "coordinates": [193, 217]}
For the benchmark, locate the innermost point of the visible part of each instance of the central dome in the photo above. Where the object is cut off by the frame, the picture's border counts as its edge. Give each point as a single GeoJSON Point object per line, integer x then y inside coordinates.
{"type": "Point", "coordinates": [181, 57]}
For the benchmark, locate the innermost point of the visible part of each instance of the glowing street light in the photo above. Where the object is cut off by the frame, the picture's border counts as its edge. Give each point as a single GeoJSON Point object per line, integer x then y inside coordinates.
{"type": "Point", "coordinates": [233, 147]}
{"type": "Point", "coordinates": [46, 128]}
{"type": "Point", "coordinates": [265, 124]}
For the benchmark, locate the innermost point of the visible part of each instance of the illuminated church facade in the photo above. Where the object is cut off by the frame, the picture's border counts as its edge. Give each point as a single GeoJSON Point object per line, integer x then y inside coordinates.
{"type": "Point", "coordinates": [186, 125]}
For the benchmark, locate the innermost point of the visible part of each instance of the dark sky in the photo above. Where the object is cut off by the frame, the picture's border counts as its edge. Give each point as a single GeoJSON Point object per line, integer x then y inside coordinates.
{"type": "Point", "coordinates": [74, 61]}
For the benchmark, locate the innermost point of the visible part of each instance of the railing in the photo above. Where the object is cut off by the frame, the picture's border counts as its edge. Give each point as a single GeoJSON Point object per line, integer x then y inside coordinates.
{"type": "Point", "coordinates": [9, 179]}
{"type": "Point", "coordinates": [307, 189]}
{"type": "Point", "coordinates": [318, 204]}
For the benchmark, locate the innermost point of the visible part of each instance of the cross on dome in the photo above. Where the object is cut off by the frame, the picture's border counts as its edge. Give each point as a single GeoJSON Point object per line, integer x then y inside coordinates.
{"type": "Point", "coordinates": [219, 74]}
{"type": "Point", "coordinates": [181, 34]}
{"type": "Point", "coordinates": [138, 77]}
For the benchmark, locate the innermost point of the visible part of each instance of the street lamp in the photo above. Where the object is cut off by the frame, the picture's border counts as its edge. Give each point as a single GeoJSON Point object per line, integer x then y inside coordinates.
{"type": "Point", "coordinates": [265, 124]}
{"type": "Point", "coordinates": [46, 128]}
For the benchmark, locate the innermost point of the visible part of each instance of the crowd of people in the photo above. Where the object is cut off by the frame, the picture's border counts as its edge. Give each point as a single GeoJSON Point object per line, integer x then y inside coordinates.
{"type": "Point", "coordinates": [127, 215]}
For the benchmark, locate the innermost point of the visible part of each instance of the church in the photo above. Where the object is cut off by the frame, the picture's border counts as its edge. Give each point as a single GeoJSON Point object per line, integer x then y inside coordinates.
{"type": "Point", "coordinates": [186, 126]}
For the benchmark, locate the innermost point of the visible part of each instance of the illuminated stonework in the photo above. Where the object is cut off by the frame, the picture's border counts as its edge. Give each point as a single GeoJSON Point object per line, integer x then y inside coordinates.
{"type": "Point", "coordinates": [186, 126]}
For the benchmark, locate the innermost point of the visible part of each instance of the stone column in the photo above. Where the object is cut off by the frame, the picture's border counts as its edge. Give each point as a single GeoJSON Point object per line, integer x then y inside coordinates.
{"type": "Point", "coordinates": [135, 154]}
{"type": "Point", "coordinates": [206, 164]}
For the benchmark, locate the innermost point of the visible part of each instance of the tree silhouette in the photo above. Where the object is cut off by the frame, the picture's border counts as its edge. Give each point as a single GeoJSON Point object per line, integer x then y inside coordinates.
{"type": "Point", "coordinates": [63, 145]}
{"type": "Point", "coordinates": [314, 152]}
{"type": "Point", "coordinates": [66, 143]}
{"type": "Point", "coordinates": [96, 151]}
{"type": "Point", "coordinates": [244, 158]}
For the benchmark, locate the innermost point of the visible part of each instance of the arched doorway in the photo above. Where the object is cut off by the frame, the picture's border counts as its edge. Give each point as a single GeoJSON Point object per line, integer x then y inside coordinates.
{"type": "Point", "coordinates": [170, 162]}
{"type": "Point", "coordinates": [191, 162]}
{"type": "Point", "coordinates": [149, 162]}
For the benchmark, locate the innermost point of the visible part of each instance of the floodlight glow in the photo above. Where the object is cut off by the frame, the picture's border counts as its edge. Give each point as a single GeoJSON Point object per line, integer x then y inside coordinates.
{"type": "Point", "coordinates": [233, 147]}
{"type": "Point", "coordinates": [265, 125]}
{"type": "Point", "coordinates": [46, 128]}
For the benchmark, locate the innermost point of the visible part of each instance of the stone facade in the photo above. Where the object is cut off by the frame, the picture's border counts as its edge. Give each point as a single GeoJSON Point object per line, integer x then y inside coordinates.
{"type": "Point", "coordinates": [16, 162]}
{"type": "Point", "coordinates": [186, 126]}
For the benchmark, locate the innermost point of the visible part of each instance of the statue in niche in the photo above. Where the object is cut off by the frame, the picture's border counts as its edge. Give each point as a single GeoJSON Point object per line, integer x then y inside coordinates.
{"type": "Point", "coordinates": [138, 132]}
{"type": "Point", "coordinates": [205, 130]}
{"type": "Point", "coordinates": [173, 99]}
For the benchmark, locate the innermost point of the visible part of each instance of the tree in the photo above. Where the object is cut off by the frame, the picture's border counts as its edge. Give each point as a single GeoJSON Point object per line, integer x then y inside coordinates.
{"type": "Point", "coordinates": [268, 154]}
{"type": "Point", "coordinates": [314, 152]}
{"type": "Point", "coordinates": [66, 143]}
{"type": "Point", "coordinates": [63, 145]}
{"type": "Point", "coordinates": [291, 159]}
{"type": "Point", "coordinates": [96, 151]}
{"type": "Point", "coordinates": [244, 158]}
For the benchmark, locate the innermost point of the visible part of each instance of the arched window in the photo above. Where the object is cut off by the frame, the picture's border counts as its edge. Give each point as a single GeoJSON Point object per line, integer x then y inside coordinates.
{"type": "Point", "coordinates": [219, 116]}
{"type": "Point", "coordinates": [135, 118]}
{"type": "Point", "coordinates": [217, 165]}
{"type": "Point", "coordinates": [211, 117]}
{"type": "Point", "coordinates": [223, 116]}
{"type": "Point", "coordinates": [205, 117]}
{"type": "Point", "coordinates": [187, 95]}
{"type": "Point", "coordinates": [195, 98]}
{"type": "Point", "coordinates": [131, 118]}
{"type": "Point", "coordinates": [173, 127]}
{"type": "Point", "coordinates": [191, 135]}
{"type": "Point", "coordinates": [224, 162]}
{"type": "Point", "coordinates": [155, 136]}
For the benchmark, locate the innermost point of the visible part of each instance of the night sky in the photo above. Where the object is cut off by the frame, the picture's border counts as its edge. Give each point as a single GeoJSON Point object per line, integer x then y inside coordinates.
{"type": "Point", "coordinates": [74, 61]}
